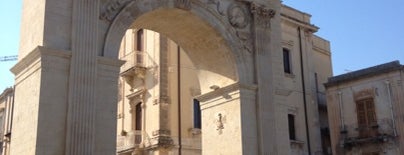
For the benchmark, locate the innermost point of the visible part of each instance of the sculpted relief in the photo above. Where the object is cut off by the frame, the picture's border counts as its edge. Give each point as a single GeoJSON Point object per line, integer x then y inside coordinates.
{"type": "Point", "coordinates": [239, 14]}
{"type": "Point", "coordinates": [111, 9]}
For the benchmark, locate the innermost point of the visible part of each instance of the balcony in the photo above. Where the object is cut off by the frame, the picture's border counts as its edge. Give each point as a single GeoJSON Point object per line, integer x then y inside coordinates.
{"type": "Point", "coordinates": [129, 142]}
{"type": "Point", "coordinates": [353, 135]}
{"type": "Point", "coordinates": [135, 64]}
{"type": "Point", "coordinates": [134, 69]}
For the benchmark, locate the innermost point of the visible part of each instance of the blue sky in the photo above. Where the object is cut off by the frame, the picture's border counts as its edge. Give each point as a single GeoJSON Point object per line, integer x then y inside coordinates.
{"type": "Point", "coordinates": [362, 33]}
{"type": "Point", "coordinates": [10, 15]}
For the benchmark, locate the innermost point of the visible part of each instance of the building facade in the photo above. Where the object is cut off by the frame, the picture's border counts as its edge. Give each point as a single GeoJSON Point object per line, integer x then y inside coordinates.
{"type": "Point", "coordinates": [365, 108]}
{"type": "Point", "coordinates": [6, 106]}
{"type": "Point", "coordinates": [219, 77]}
{"type": "Point", "coordinates": [156, 67]}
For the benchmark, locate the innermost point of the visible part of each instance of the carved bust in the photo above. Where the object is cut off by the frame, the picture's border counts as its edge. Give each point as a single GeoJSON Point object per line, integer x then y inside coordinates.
{"type": "Point", "coordinates": [237, 16]}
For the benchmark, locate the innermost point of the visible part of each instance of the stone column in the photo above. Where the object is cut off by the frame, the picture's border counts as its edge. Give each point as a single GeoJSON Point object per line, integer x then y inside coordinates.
{"type": "Point", "coordinates": [228, 120]}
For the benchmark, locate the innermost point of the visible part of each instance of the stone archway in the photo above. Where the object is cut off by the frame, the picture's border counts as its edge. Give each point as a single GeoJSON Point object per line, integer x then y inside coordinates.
{"type": "Point", "coordinates": [66, 79]}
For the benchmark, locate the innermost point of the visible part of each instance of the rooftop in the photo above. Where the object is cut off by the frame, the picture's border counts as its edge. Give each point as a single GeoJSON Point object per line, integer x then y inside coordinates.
{"type": "Point", "coordinates": [367, 72]}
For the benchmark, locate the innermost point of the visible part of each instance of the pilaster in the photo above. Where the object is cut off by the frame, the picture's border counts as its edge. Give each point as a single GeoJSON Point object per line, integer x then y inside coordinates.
{"type": "Point", "coordinates": [105, 116]}
{"type": "Point", "coordinates": [267, 60]}
{"type": "Point", "coordinates": [228, 120]}
{"type": "Point", "coordinates": [81, 123]}
{"type": "Point", "coordinates": [161, 140]}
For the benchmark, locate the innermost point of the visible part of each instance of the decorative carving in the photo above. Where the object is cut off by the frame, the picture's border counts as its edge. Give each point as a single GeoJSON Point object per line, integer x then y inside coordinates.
{"type": "Point", "coordinates": [218, 8]}
{"type": "Point", "coordinates": [237, 16]}
{"type": "Point", "coordinates": [183, 4]}
{"type": "Point", "coordinates": [220, 119]}
{"type": "Point", "coordinates": [245, 37]}
{"type": "Point", "coordinates": [134, 76]}
{"type": "Point", "coordinates": [112, 9]}
{"type": "Point", "coordinates": [262, 15]}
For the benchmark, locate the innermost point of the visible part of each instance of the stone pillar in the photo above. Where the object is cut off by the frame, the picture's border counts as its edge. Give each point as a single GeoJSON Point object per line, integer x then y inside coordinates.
{"type": "Point", "coordinates": [161, 141]}
{"type": "Point", "coordinates": [83, 89]}
{"type": "Point", "coordinates": [42, 84]}
{"type": "Point", "coordinates": [41, 89]}
{"type": "Point", "coordinates": [105, 106]}
{"type": "Point", "coordinates": [268, 70]}
{"type": "Point", "coordinates": [229, 120]}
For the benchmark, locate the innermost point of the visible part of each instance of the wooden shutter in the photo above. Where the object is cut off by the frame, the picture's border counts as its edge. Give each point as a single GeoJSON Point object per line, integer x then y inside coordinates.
{"type": "Point", "coordinates": [366, 117]}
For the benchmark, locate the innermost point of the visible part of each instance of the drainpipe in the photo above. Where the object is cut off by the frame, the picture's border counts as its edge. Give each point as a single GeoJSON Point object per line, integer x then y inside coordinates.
{"type": "Point", "coordinates": [388, 86]}
{"type": "Point", "coordinates": [304, 90]}
{"type": "Point", "coordinates": [341, 116]}
{"type": "Point", "coordinates": [179, 98]}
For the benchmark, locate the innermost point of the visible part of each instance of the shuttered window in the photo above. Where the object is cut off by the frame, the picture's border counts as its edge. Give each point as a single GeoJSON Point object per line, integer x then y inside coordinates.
{"type": "Point", "coordinates": [366, 117]}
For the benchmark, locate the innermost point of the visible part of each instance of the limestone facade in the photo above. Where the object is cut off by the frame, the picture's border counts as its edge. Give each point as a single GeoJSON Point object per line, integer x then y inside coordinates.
{"type": "Point", "coordinates": [6, 106]}
{"type": "Point", "coordinates": [156, 65]}
{"type": "Point", "coordinates": [365, 110]}
{"type": "Point", "coordinates": [231, 58]}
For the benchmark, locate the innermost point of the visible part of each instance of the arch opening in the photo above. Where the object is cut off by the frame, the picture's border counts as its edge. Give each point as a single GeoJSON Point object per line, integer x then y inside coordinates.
{"type": "Point", "coordinates": [189, 56]}
{"type": "Point", "coordinates": [207, 50]}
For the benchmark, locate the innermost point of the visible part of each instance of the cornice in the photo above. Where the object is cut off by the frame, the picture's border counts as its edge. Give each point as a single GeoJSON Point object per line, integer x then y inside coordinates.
{"type": "Point", "coordinates": [225, 90]}
{"type": "Point", "coordinates": [300, 23]}
{"type": "Point", "coordinates": [36, 54]}
{"type": "Point", "coordinates": [321, 50]}
{"type": "Point", "coordinates": [6, 92]}
{"type": "Point", "coordinates": [136, 94]}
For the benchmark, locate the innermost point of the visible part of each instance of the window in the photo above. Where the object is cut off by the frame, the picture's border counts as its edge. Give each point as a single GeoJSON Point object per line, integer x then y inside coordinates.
{"type": "Point", "coordinates": [197, 114]}
{"type": "Point", "coordinates": [286, 61]}
{"type": "Point", "coordinates": [365, 109]}
{"type": "Point", "coordinates": [291, 122]}
{"type": "Point", "coordinates": [139, 40]}
{"type": "Point", "coordinates": [139, 46]}
{"type": "Point", "coordinates": [138, 115]}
